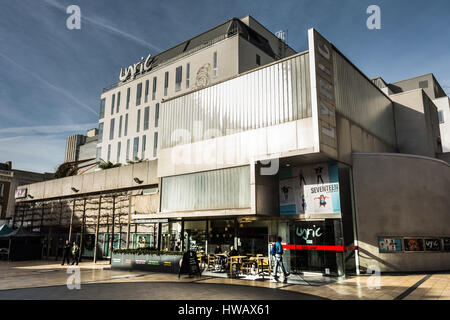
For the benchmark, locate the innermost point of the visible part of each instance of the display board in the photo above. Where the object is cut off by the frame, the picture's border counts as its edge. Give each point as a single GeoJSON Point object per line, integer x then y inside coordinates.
{"type": "Point", "coordinates": [189, 264]}
{"type": "Point", "coordinates": [390, 244]}
{"type": "Point", "coordinates": [413, 244]}
{"type": "Point", "coordinates": [311, 189]}
{"type": "Point", "coordinates": [433, 244]}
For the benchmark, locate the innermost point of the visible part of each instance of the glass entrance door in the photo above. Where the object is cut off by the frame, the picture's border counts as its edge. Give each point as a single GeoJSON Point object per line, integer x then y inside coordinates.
{"type": "Point", "coordinates": [319, 239]}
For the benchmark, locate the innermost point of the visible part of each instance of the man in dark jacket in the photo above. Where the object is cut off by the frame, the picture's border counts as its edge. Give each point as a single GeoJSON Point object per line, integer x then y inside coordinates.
{"type": "Point", "coordinates": [66, 253]}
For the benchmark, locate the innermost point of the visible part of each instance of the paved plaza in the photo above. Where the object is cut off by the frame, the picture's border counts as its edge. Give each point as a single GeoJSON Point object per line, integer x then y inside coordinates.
{"type": "Point", "coordinates": [31, 280]}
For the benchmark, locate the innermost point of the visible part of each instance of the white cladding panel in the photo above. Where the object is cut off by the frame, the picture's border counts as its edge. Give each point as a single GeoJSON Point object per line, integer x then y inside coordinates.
{"type": "Point", "coordinates": [219, 189]}
{"type": "Point", "coordinates": [268, 96]}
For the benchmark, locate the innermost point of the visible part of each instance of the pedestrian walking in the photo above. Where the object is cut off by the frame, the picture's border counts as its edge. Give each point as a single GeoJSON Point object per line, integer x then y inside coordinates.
{"type": "Point", "coordinates": [66, 253]}
{"type": "Point", "coordinates": [75, 253]}
{"type": "Point", "coordinates": [277, 252]}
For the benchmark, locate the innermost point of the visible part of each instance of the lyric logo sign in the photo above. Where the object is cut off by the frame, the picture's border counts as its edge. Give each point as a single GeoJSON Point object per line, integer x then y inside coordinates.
{"type": "Point", "coordinates": [324, 198]}
{"type": "Point", "coordinates": [323, 97]}
{"type": "Point", "coordinates": [138, 68]}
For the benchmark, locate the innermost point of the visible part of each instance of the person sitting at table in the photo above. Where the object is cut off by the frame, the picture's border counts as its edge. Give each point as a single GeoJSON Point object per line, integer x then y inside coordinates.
{"type": "Point", "coordinates": [233, 252]}
{"type": "Point", "coordinates": [218, 250]}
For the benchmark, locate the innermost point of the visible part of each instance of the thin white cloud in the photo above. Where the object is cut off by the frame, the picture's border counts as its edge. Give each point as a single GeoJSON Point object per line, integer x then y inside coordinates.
{"type": "Point", "coordinates": [107, 27]}
{"type": "Point", "coordinates": [48, 84]}
{"type": "Point", "coordinates": [48, 129]}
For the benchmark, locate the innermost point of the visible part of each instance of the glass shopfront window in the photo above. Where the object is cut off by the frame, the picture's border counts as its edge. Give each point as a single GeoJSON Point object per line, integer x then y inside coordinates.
{"type": "Point", "coordinates": [220, 234]}
{"type": "Point", "coordinates": [171, 236]}
{"type": "Point", "coordinates": [195, 237]}
{"type": "Point", "coordinates": [253, 237]}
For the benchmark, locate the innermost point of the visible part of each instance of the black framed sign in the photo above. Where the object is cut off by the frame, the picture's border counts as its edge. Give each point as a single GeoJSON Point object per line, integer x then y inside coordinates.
{"type": "Point", "coordinates": [432, 244]}
{"type": "Point", "coordinates": [413, 244]}
{"type": "Point", "coordinates": [446, 244]}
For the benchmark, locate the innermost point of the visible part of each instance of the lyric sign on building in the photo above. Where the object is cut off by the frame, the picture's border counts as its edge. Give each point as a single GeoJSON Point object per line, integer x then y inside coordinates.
{"type": "Point", "coordinates": [322, 94]}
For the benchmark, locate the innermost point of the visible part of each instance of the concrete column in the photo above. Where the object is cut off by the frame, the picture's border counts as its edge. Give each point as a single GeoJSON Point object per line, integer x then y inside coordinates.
{"type": "Point", "coordinates": [71, 220]}
{"type": "Point", "coordinates": [97, 227]}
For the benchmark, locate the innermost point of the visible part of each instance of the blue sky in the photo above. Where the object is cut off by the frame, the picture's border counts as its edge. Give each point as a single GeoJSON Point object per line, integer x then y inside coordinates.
{"type": "Point", "coordinates": [51, 77]}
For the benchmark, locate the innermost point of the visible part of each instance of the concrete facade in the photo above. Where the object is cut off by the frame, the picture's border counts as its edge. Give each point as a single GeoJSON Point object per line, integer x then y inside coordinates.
{"type": "Point", "coordinates": [416, 124]}
{"type": "Point", "coordinates": [411, 200]}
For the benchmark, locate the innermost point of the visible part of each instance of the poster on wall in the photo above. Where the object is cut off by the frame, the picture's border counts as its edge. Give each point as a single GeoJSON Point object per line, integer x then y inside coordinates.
{"type": "Point", "coordinates": [413, 244]}
{"type": "Point", "coordinates": [390, 244]}
{"type": "Point", "coordinates": [142, 241]}
{"type": "Point", "coordinates": [20, 193]}
{"type": "Point", "coordinates": [311, 189]}
{"type": "Point", "coordinates": [88, 245]}
{"type": "Point", "coordinates": [433, 244]}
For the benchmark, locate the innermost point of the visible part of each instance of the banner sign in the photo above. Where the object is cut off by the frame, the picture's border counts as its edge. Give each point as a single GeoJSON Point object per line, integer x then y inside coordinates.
{"type": "Point", "coordinates": [311, 189]}
{"type": "Point", "coordinates": [323, 95]}
{"type": "Point", "coordinates": [21, 193]}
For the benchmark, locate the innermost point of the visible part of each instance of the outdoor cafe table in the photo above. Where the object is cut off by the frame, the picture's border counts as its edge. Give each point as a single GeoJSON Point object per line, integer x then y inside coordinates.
{"type": "Point", "coordinates": [238, 260]}
{"type": "Point", "coordinates": [260, 263]}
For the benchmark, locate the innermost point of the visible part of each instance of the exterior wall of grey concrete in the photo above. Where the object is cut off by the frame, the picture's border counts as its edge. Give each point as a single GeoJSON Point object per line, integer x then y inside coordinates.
{"type": "Point", "coordinates": [102, 180]}
{"type": "Point", "coordinates": [417, 124]}
{"type": "Point", "coordinates": [426, 82]}
{"type": "Point", "coordinates": [404, 196]}
{"type": "Point", "coordinates": [20, 178]}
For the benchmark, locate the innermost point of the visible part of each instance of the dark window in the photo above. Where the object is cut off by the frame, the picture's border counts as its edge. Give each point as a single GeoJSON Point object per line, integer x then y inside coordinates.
{"type": "Point", "coordinates": [144, 141]}
{"type": "Point", "coordinates": [125, 132]}
{"type": "Point", "coordinates": [120, 126]}
{"type": "Point", "coordinates": [112, 103]}
{"type": "Point", "coordinates": [441, 116]}
{"type": "Point", "coordinates": [178, 77]}
{"type": "Point", "coordinates": [258, 60]}
{"type": "Point", "coordinates": [138, 127]}
{"type": "Point", "coordinates": [119, 145]}
{"type": "Point", "coordinates": [100, 132]}
{"type": "Point", "coordinates": [138, 94]}
{"type": "Point", "coordinates": [188, 71]}
{"type": "Point", "coordinates": [146, 90]}
{"type": "Point", "coordinates": [215, 64]}
{"type": "Point", "coordinates": [118, 101]}
{"type": "Point", "coordinates": [155, 144]}
{"type": "Point", "coordinates": [156, 115]}
{"type": "Point", "coordinates": [128, 151]}
{"type": "Point", "coordinates": [135, 148]}
{"type": "Point", "coordinates": [101, 114]}
{"type": "Point", "coordinates": [111, 130]}
{"type": "Point", "coordinates": [128, 98]}
{"type": "Point", "coordinates": [154, 89]}
{"type": "Point", "coordinates": [146, 118]}
{"type": "Point", "coordinates": [166, 82]}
